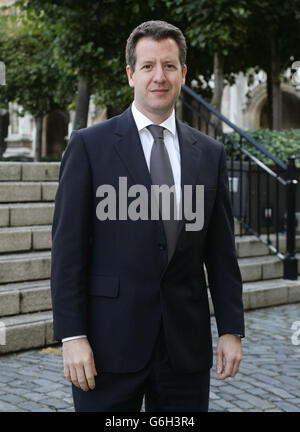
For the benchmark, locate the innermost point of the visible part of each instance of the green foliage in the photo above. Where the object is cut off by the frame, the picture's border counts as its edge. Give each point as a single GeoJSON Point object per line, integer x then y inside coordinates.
{"type": "Point", "coordinates": [56, 157]}
{"type": "Point", "coordinates": [217, 26]}
{"type": "Point", "coordinates": [33, 79]}
{"type": "Point", "coordinates": [281, 144]}
{"type": "Point", "coordinates": [90, 38]}
{"type": "Point", "coordinates": [63, 39]}
{"type": "Point", "coordinates": [214, 27]}
{"type": "Point", "coordinates": [273, 20]}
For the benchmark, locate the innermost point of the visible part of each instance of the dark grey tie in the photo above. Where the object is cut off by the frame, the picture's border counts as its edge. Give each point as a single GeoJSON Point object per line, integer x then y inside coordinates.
{"type": "Point", "coordinates": [161, 174]}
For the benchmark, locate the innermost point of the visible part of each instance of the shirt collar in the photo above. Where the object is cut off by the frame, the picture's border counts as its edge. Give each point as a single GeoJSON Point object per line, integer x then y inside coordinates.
{"type": "Point", "coordinates": [142, 121]}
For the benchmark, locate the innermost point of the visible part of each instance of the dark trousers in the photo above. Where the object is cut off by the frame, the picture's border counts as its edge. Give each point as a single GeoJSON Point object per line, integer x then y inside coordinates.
{"type": "Point", "coordinates": [164, 389]}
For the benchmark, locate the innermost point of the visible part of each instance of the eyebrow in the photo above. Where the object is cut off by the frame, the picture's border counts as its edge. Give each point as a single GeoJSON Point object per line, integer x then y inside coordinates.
{"type": "Point", "coordinates": [153, 61]}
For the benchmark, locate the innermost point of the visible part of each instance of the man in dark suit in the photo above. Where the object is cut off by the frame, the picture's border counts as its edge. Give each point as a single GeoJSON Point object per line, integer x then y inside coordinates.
{"type": "Point", "coordinates": [129, 294]}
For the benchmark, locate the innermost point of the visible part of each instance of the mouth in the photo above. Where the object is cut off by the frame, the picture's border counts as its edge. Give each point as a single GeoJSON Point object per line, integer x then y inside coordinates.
{"type": "Point", "coordinates": [159, 91]}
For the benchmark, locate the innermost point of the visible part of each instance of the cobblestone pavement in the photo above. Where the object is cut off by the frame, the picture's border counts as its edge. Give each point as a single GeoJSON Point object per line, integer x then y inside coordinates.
{"type": "Point", "coordinates": [268, 379]}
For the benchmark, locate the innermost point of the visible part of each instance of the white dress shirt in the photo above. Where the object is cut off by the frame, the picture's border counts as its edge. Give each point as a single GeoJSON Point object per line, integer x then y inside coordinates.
{"type": "Point", "coordinates": [170, 139]}
{"type": "Point", "coordinates": [172, 146]}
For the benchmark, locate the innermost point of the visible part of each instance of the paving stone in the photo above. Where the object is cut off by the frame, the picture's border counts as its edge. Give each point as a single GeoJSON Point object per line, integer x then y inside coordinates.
{"type": "Point", "coordinates": [34, 396]}
{"type": "Point", "coordinates": [256, 391]}
{"type": "Point", "coordinates": [278, 391]}
{"type": "Point", "coordinates": [287, 381]}
{"type": "Point", "coordinates": [10, 398]}
{"type": "Point", "coordinates": [268, 379]}
{"type": "Point", "coordinates": [287, 407]}
{"type": "Point", "coordinates": [232, 390]}
{"type": "Point", "coordinates": [256, 402]}
{"type": "Point", "coordinates": [7, 407]}
{"type": "Point", "coordinates": [31, 406]}
{"type": "Point", "coordinates": [243, 404]}
{"type": "Point", "coordinates": [56, 394]}
{"type": "Point", "coordinates": [227, 397]}
{"type": "Point", "coordinates": [296, 392]}
{"type": "Point", "coordinates": [241, 385]}
{"type": "Point", "coordinates": [55, 403]}
{"type": "Point", "coordinates": [5, 379]}
{"type": "Point", "coordinates": [224, 404]}
{"type": "Point", "coordinates": [15, 390]}
{"type": "Point", "coordinates": [294, 401]}
{"type": "Point", "coordinates": [213, 406]}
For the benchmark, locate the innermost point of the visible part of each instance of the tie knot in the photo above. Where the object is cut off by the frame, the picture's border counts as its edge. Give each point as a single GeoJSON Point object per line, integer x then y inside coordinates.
{"type": "Point", "coordinates": [156, 131]}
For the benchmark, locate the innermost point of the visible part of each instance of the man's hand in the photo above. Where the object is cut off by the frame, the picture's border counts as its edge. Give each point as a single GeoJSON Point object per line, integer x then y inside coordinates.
{"type": "Point", "coordinates": [79, 365]}
{"type": "Point", "coordinates": [229, 355]}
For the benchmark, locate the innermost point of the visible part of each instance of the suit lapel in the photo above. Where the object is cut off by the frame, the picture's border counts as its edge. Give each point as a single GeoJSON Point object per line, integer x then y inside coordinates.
{"type": "Point", "coordinates": [190, 160]}
{"type": "Point", "coordinates": [129, 148]}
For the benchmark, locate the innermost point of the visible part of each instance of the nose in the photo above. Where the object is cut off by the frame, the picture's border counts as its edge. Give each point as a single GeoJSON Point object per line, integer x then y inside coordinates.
{"type": "Point", "coordinates": [159, 75]}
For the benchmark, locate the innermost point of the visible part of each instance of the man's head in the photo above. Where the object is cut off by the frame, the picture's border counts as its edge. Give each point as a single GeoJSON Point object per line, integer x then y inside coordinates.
{"type": "Point", "coordinates": [155, 56]}
{"type": "Point", "coordinates": [156, 30]}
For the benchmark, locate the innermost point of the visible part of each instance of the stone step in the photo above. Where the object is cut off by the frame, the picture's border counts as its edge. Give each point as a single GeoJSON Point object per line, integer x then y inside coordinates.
{"type": "Point", "coordinates": [29, 171]}
{"type": "Point", "coordinates": [11, 192]}
{"type": "Point", "coordinates": [267, 293]}
{"type": "Point", "coordinates": [24, 267]}
{"type": "Point", "coordinates": [25, 297]}
{"type": "Point", "coordinates": [36, 265]}
{"type": "Point", "coordinates": [248, 245]}
{"type": "Point", "coordinates": [35, 295]}
{"type": "Point", "coordinates": [32, 330]}
{"type": "Point", "coordinates": [19, 239]}
{"type": "Point", "coordinates": [37, 237]}
{"type": "Point", "coordinates": [270, 293]}
{"type": "Point", "coordinates": [12, 215]}
{"type": "Point", "coordinates": [25, 331]}
{"type": "Point", "coordinates": [262, 268]}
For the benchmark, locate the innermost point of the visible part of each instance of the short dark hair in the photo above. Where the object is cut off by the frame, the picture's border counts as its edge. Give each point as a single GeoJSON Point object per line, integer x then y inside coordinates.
{"type": "Point", "coordinates": [157, 30]}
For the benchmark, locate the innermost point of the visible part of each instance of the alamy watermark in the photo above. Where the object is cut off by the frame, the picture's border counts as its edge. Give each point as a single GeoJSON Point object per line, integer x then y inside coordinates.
{"type": "Point", "coordinates": [2, 333]}
{"type": "Point", "coordinates": [296, 335]}
{"type": "Point", "coordinates": [2, 73]}
{"type": "Point", "coordinates": [138, 208]}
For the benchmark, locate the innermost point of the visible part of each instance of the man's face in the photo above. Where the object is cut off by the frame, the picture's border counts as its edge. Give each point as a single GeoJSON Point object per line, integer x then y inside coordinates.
{"type": "Point", "coordinates": [157, 78]}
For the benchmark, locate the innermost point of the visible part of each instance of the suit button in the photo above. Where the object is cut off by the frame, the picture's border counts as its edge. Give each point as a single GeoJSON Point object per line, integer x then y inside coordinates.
{"type": "Point", "coordinates": [161, 246]}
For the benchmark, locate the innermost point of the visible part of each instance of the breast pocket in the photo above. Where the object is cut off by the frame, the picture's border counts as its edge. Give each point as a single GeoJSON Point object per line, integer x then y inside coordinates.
{"type": "Point", "coordinates": [104, 285]}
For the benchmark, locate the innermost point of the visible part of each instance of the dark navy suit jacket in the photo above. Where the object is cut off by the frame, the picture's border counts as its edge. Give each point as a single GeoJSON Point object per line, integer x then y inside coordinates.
{"type": "Point", "coordinates": [112, 281]}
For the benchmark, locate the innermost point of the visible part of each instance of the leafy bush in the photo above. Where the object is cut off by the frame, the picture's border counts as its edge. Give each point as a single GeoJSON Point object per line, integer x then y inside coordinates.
{"type": "Point", "coordinates": [281, 144]}
{"type": "Point", "coordinates": [55, 157]}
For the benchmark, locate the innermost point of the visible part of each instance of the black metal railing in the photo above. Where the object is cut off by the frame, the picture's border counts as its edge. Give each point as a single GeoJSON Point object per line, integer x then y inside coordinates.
{"type": "Point", "coordinates": [263, 195]}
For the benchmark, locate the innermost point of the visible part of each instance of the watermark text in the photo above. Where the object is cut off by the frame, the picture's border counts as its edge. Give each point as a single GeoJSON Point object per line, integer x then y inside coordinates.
{"type": "Point", "coordinates": [171, 201]}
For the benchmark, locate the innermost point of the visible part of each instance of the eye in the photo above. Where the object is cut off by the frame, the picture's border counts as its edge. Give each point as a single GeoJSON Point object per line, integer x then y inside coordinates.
{"type": "Point", "coordinates": [147, 66]}
{"type": "Point", "coordinates": [170, 66]}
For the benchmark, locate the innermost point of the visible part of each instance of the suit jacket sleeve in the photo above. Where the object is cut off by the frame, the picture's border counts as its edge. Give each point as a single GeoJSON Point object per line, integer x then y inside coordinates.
{"type": "Point", "coordinates": [71, 240]}
{"type": "Point", "coordinates": [224, 277]}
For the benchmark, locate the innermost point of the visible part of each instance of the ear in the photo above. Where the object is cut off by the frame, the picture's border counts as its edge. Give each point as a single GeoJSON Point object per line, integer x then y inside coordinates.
{"type": "Point", "coordinates": [184, 71]}
{"type": "Point", "coordinates": [130, 75]}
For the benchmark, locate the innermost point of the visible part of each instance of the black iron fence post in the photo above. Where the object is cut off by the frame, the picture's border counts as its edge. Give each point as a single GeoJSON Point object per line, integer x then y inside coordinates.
{"type": "Point", "coordinates": [290, 262]}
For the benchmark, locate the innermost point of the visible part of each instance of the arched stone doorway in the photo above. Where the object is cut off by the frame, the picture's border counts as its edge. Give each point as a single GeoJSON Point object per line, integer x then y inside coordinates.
{"type": "Point", "coordinates": [256, 115]}
{"type": "Point", "coordinates": [290, 112]}
{"type": "Point", "coordinates": [56, 133]}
